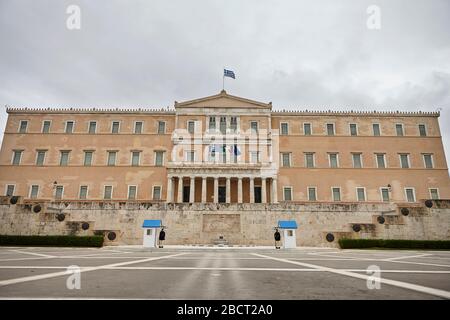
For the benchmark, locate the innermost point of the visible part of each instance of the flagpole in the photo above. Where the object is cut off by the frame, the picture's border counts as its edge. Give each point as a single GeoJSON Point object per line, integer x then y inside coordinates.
{"type": "Point", "coordinates": [223, 79]}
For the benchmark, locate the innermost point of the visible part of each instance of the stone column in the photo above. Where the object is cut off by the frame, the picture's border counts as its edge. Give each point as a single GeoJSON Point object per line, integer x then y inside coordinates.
{"type": "Point", "coordinates": [192, 190]}
{"type": "Point", "coordinates": [263, 190]}
{"type": "Point", "coordinates": [252, 190]}
{"type": "Point", "coordinates": [180, 189]}
{"type": "Point", "coordinates": [169, 197]}
{"type": "Point", "coordinates": [239, 190]}
{"type": "Point", "coordinates": [203, 189]}
{"type": "Point", "coordinates": [274, 191]}
{"type": "Point", "coordinates": [228, 190]}
{"type": "Point", "coordinates": [216, 189]}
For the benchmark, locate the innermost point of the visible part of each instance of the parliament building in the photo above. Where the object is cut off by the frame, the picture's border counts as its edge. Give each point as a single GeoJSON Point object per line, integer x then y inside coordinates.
{"type": "Point", "coordinates": [222, 154]}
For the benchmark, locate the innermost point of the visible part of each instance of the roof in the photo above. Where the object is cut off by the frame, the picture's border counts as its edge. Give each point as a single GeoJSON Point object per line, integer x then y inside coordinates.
{"type": "Point", "coordinates": [223, 99]}
{"type": "Point", "coordinates": [151, 224]}
{"type": "Point", "coordinates": [291, 224]}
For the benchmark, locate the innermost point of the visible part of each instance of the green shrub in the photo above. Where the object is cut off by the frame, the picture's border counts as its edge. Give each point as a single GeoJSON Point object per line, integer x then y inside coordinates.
{"type": "Point", "coordinates": [394, 244]}
{"type": "Point", "coordinates": [53, 241]}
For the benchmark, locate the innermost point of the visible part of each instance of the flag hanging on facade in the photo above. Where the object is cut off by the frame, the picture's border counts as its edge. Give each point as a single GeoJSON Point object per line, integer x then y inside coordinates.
{"type": "Point", "coordinates": [229, 73]}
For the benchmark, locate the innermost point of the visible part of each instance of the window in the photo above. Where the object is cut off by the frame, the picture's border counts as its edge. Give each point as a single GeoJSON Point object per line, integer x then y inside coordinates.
{"type": "Point", "coordinates": [23, 126]}
{"type": "Point", "coordinates": [399, 129]}
{"type": "Point", "coordinates": [132, 192]}
{"type": "Point", "coordinates": [410, 195]}
{"type": "Point", "coordinates": [333, 159]}
{"type": "Point", "coordinates": [422, 130]}
{"type": "Point", "coordinates": [190, 156]}
{"type": "Point", "coordinates": [254, 156]}
{"type": "Point", "coordinates": [88, 158]}
{"type": "Point", "coordinates": [290, 233]}
{"type": "Point", "coordinates": [156, 192]}
{"type": "Point", "coordinates": [69, 127]}
{"type": "Point", "coordinates": [428, 161]}
{"type": "Point", "coordinates": [287, 193]}
{"type": "Point", "coordinates": [159, 158]}
{"type": "Point", "coordinates": [115, 127]}
{"type": "Point", "coordinates": [381, 160]}
{"type": "Point", "coordinates": [309, 160]}
{"type": "Point", "coordinates": [336, 191]}
{"type": "Point", "coordinates": [330, 129]}
{"type": "Point", "coordinates": [161, 127]}
{"type": "Point", "coordinates": [385, 194]}
{"type": "Point", "coordinates": [191, 127]}
{"type": "Point", "coordinates": [112, 158]}
{"type": "Point", "coordinates": [361, 194]}
{"type": "Point", "coordinates": [59, 191]}
{"type": "Point", "coordinates": [254, 126]}
{"type": "Point", "coordinates": [107, 193]}
{"type": "Point", "coordinates": [404, 161]}
{"type": "Point", "coordinates": [376, 129]}
{"type": "Point", "coordinates": [46, 126]}
{"type": "Point", "coordinates": [223, 125]}
{"type": "Point", "coordinates": [83, 192]}
{"type": "Point", "coordinates": [10, 190]}
{"type": "Point", "coordinates": [233, 124]}
{"type": "Point", "coordinates": [64, 158]}
{"type": "Point", "coordinates": [135, 158]}
{"type": "Point", "coordinates": [40, 157]}
{"type": "Point", "coordinates": [212, 123]}
{"type": "Point", "coordinates": [138, 127]}
{"type": "Point", "coordinates": [434, 193]}
{"type": "Point", "coordinates": [17, 156]}
{"type": "Point", "coordinates": [34, 190]}
{"type": "Point", "coordinates": [284, 128]}
{"type": "Point", "coordinates": [312, 193]}
{"type": "Point", "coordinates": [353, 129]}
{"type": "Point", "coordinates": [212, 153]}
{"type": "Point", "coordinates": [357, 161]}
{"type": "Point", "coordinates": [307, 129]}
{"type": "Point", "coordinates": [286, 159]}
{"type": "Point", "coordinates": [92, 126]}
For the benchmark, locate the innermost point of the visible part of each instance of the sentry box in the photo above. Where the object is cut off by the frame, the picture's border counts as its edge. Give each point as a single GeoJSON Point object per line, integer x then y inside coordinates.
{"type": "Point", "coordinates": [288, 230]}
{"type": "Point", "coordinates": [151, 233]}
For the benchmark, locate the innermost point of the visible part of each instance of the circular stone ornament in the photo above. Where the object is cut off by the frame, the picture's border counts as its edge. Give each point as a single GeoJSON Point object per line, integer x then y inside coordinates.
{"type": "Point", "coordinates": [14, 199]}
{"type": "Point", "coordinates": [37, 208]}
{"type": "Point", "coordinates": [112, 236]}
{"type": "Point", "coordinates": [356, 228]}
{"type": "Point", "coordinates": [404, 211]}
{"type": "Point", "coordinates": [330, 237]}
{"type": "Point", "coordinates": [380, 219]}
{"type": "Point", "coordinates": [60, 217]}
{"type": "Point", "coordinates": [85, 226]}
{"type": "Point", "coordinates": [428, 203]}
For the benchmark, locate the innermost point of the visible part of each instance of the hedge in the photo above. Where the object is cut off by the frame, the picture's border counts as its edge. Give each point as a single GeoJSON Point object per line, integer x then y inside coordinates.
{"type": "Point", "coordinates": [394, 244]}
{"type": "Point", "coordinates": [54, 241]}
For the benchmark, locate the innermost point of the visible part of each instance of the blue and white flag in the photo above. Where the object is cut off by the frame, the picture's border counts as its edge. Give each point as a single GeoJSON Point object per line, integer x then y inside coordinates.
{"type": "Point", "coordinates": [228, 73]}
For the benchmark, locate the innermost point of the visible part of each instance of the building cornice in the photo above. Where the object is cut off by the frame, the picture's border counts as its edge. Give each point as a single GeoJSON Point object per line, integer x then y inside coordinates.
{"type": "Point", "coordinates": [372, 113]}
{"type": "Point", "coordinates": [26, 110]}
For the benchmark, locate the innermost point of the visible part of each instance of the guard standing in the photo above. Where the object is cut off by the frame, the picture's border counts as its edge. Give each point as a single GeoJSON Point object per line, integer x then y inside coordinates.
{"type": "Point", "coordinates": [277, 237]}
{"type": "Point", "coordinates": [162, 237]}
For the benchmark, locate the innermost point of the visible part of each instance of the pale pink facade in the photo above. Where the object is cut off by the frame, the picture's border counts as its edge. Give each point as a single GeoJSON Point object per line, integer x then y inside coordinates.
{"type": "Point", "coordinates": [261, 155]}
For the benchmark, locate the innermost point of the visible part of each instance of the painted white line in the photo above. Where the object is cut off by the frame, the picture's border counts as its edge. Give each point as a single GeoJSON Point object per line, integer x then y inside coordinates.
{"type": "Point", "coordinates": [400, 284]}
{"type": "Point", "coordinates": [407, 257]}
{"type": "Point", "coordinates": [63, 273]}
{"type": "Point", "coordinates": [421, 263]}
{"type": "Point", "coordinates": [32, 253]}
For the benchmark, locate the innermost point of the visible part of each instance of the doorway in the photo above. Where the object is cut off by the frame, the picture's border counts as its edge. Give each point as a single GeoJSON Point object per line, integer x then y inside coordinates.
{"type": "Point", "coordinates": [222, 194]}
{"type": "Point", "coordinates": [257, 194]}
{"type": "Point", "coordinates": [186, 193]}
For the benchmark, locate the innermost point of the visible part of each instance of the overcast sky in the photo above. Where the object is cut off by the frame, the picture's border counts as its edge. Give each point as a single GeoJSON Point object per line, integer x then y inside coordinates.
{"type": "Point", "coordinates": [297, 54]}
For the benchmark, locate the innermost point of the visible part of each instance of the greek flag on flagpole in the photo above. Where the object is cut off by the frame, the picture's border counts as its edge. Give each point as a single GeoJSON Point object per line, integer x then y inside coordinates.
{"type": "Point", "coordinates": [229, 73]}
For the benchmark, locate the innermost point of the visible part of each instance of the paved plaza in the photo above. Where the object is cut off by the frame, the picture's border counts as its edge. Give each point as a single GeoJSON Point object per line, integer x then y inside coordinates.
{"type": "Point", "coordinates": [222, 273]}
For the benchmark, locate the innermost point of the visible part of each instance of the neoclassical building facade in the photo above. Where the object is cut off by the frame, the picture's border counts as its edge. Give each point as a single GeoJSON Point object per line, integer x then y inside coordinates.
{"type": "Point", "coordinates": [223, 149]}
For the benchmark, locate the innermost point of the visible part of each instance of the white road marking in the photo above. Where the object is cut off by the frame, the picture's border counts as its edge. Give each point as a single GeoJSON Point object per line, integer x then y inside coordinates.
{"type": "Point", "coordinates": [62, 273]}
{"type": "Point", "coordinates": [32, 253]}
{"type": "Point", "coordinates": [400, 284]}
{"type": "Point", "coordinates": [408, 257]}
{"type": "Point", "coordinates": [228, 269]}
